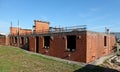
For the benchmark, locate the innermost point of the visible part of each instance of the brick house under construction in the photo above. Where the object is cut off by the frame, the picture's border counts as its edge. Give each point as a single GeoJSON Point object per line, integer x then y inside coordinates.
{"type": "Point", "coordinates": [4, 40]}
{"type": "Point", "coordinates": [75, 43]}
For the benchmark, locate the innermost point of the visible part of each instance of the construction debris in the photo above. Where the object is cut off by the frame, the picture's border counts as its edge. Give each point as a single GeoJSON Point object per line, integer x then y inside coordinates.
{"type": "Point", "coordinates": [113, 63]}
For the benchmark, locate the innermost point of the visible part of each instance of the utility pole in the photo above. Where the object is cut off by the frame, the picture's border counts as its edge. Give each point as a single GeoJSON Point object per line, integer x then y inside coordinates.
{"type": "Point", "coordinates": [18, 34]}
{"type": "Point", "coordinates": [11, 28]}
{"type": "Point", "coordinates": [11, 23]}
{"type": "Point", "coordinates": [11, 34]}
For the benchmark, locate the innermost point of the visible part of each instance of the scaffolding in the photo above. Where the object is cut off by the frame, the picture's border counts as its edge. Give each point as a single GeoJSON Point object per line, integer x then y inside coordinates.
{"type": "Point", "coordinates": [62, 29]}
{"type": "Point", "coordinates": [55, 30]}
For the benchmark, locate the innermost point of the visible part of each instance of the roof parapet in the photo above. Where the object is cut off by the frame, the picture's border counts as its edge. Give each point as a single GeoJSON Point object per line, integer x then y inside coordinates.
{"type": "Point", "coordinates": [41, 21]}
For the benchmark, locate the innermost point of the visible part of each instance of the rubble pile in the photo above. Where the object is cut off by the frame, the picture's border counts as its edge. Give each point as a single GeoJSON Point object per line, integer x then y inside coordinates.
{"type": "Point", "coordinates": [116, 60]}
{"type": "Point", "coordinates": [113, 63]}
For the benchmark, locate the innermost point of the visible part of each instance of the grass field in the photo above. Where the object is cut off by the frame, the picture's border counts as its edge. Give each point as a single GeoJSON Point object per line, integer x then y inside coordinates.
{"type": "Point", "coordinates": [14, 59]}
{"type": "Point", "coordinates": [17, 60]}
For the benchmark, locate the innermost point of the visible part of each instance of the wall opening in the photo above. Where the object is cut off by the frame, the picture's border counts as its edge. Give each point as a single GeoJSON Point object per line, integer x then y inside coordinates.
{"type": "Point", "coordinates": [12, 40]}
{"type": "Point", "coordinates": [46, 41]}
{"type": "Point", "coordinates": [37, 44]}
{"type": "Point", "coordinates": [22, 40]}
{"type": "Point", "coordinates": [27, 43]}
{"type": "Point", "coordinates": [71, 43]}
{"type": "Point", "coordinates": [105, 40]}
{"type": "Point", "coordinates": [15, 39]}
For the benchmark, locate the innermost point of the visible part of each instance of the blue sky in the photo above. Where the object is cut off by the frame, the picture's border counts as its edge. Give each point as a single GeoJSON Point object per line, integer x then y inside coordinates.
{"type": "Point", "coordinates": [96, 14]}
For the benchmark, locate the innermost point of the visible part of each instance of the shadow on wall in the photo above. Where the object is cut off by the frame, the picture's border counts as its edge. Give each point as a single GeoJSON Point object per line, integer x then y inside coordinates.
{"type": "Point", "coordinates": [93, 68]}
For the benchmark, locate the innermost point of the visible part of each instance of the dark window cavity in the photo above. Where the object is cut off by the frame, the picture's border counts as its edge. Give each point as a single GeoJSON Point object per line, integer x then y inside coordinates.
{"type": "Point", "coordinates": [105, 40]}
{"type": "Point", "coordinates": [46, 41]}
{"type": "Point", "coordinates": [15, 39]}
{"type": "Point", "coordinates": [22, 39]}
{"type": "Point", "coordinates": [71, 43]}
{"type": "Point", "coordinates": [37, 44]}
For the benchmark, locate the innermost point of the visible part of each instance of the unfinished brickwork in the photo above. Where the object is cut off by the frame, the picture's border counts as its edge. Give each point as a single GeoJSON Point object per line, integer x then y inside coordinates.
{"type": "Point", "coordinates": [14, 30]}
{"type": "Point", "coordinates": [2, 39]}
{"type": "Point", "coordinates": [99, 45]}
{"type": "Point", "coordinates": [58, 46]}
{"type": "Point", "coordinates": [76, 44]}
{"type": "Point", "coordinates": [41, 26]}
{"type": "Point", "coordinates": [25, 31]}
{"type": "Point", "coordinates": [20, 31]}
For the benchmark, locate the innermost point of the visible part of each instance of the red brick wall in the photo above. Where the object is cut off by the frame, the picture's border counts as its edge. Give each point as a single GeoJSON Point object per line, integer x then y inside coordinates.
{"type": "Point", "coordinates": [89, 46]}
{"type": "Point", "coordinates": [95, 45]}
{"type": "Point", "coordinates": [41, 26]}
{"type": "Point", "coordinates": [58, 47]}
{"type": "Point", "coordinates": [25, 31]}
{"type": "Point", "coordinates": [112, 43]}
{"type": "Point", "coordinates": [32, 44]}
{"type": "Point", "coordinates": [7, 42]}
{"type": "Point", "coordinates": [2, 40]}
{"type": "Point", "coordinates": [13, 30]}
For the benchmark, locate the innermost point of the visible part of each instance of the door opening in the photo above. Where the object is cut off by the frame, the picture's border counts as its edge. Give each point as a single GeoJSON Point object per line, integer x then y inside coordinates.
{"type": "Point", "coordinates": [37, 44]}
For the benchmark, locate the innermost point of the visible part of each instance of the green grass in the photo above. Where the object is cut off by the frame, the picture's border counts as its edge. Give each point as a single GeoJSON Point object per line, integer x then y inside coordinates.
{"type": "Point", "coordinates": [17, 60]}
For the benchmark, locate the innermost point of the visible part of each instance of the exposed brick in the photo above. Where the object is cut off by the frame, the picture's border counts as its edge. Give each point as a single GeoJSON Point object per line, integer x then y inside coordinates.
{"type": "Point", "coordinates": [89, 45]}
